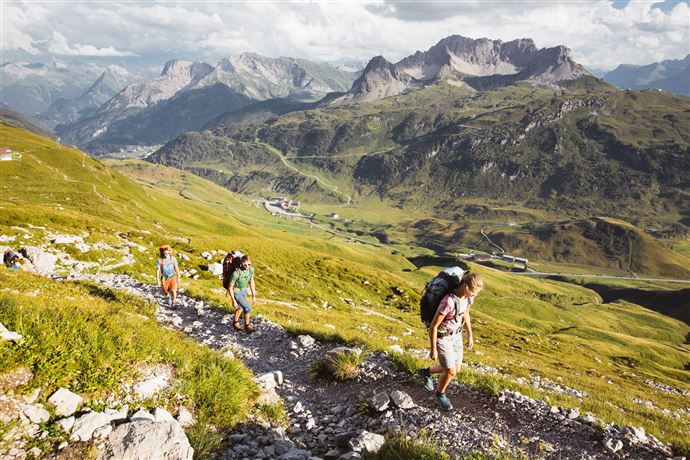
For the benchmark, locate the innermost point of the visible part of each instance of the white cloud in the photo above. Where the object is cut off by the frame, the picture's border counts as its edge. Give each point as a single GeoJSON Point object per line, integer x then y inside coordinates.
{"type": "Point", "coordinates": [599, 34]}
{"type": "Point", "coordinates": [60, 46]}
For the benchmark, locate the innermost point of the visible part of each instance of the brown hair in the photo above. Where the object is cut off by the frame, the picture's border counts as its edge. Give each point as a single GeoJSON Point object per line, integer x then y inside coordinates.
{"type": "Point", "coordinates": [162, 249]}
{"type": "Point", "coordinates": [472, 280]}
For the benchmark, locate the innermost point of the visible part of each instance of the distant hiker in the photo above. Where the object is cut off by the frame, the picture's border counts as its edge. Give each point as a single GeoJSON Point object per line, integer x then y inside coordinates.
{"type": "Point", "coordinates": [445, 335]}
{"type": "Point", "coordinates": [11, 260]}
{"type": "Point", "coordinates": [168, 273]}
{"type": "Point", "coordinates": [242, 280]}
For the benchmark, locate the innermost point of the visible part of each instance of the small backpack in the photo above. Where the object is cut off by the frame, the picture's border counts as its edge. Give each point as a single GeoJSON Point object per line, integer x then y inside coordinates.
{"type": "Point", "coordinates": [435, 290]}
{"type": "Point", "coordinates": [230, 263]}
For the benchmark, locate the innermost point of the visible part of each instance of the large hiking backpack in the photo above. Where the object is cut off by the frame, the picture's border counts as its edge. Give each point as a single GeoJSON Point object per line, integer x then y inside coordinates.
{"type": "Point", "coordinates": [446, 281]}
{"type": "Point", "coordinates": [230, 264]}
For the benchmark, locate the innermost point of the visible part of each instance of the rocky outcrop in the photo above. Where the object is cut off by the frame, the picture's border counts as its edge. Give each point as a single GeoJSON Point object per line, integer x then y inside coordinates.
{"type": "Point", "coordinates": [482, 64]}
{"type": "Point", "coordinates": [142, 439]}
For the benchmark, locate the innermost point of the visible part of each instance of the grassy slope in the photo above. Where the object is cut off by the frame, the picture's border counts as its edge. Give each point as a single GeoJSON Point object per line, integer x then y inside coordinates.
{"type": "Point", "coordinates": [522, 326]}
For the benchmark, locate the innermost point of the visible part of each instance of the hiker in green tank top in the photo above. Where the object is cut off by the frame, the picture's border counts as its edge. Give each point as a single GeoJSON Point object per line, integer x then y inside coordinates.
{"type": "Point", "coordinates": [241, 281]}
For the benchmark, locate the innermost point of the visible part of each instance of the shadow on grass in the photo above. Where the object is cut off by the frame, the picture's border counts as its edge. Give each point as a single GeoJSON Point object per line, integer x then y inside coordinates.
{"type": "Point", "coordinates": [675, 304]}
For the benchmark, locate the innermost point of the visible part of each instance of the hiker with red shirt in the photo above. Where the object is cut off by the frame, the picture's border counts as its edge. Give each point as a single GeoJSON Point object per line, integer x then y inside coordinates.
{"type": "Point", "coordinates": [445, 336]}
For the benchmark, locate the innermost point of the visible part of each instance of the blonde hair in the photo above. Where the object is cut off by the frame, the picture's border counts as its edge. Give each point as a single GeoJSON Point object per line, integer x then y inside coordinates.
{"type": "Point", "coordinates": [472, 281]}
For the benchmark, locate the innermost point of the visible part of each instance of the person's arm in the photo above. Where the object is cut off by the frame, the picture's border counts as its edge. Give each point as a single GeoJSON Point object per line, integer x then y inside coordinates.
{"type": "Point", "coordinates": [468, 326]}
{"type": "Point", "coordinates": [231, 288]}
{"type": "Point", "coordinates": [433, 333]}
{"type": "Point", "coordinates": [177, 272]}
{"type": "Point", "coordinates": [252, 288]}
{"type": "Point", "coordinates": [158, 272]}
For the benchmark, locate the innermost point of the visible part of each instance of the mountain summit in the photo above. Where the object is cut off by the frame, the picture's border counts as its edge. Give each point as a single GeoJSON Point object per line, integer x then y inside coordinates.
{"type": "Point", "coordinates": [482, 64]}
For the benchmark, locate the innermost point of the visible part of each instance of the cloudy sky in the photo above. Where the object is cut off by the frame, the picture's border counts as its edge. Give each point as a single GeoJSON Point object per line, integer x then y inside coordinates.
{"type": "Point", "coordinates": [602, 34]}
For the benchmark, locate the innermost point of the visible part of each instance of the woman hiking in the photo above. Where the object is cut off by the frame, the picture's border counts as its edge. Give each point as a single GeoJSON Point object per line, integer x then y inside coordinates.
{"type": "Point", "coordinates": [167, 273]}
{"type": "Point", "coordinates": [445, 336]}
{"type": "Point", "coordinates": [242, 280]}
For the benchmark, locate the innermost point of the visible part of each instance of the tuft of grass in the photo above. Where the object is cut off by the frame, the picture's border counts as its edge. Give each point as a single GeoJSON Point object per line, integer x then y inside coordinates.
{"type": "Point", "coordinates": [338, 367]}
{"type": "Point", "coordinates": [274, 412]}
{"type": "Point", "coordinates": [407, 363]}
{"type": "Point", "coordinates": [399, 447]}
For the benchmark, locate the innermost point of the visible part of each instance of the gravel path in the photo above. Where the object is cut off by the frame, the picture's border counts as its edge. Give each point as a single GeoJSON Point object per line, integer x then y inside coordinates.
{"type": "Point", "coordinates": [324, 416]}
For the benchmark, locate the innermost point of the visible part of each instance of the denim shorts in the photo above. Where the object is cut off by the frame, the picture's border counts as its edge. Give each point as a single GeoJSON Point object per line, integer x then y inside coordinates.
{"type": "Point", "coordinates": [241, 298]}
{"type": "Point", "coordinates": [450, 350]}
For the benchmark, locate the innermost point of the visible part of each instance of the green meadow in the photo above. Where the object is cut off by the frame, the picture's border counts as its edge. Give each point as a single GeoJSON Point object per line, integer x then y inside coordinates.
{"type": "Point", "coordinates": [310, 281]}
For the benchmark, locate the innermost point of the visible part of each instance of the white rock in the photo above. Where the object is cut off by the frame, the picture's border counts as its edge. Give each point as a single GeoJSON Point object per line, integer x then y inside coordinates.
{"type": "Point", "coordinates": [67, 239]}
{"type": "Point", "coordinates": [7, 239]}
{"type": "Point", "coordinates": [142, 414]}
{"type": "Point", "coordinates": [216, 268]}
{"type": "Point", "coordinates": [83, 247]}
{"type": "Point", "coordinates": [65, 402]}
{"type": "Point", "coordinates": [298, 408]}
{"type": "Point", "coordinates": [401, 399]}
{"type": "Point", "coordinates": [162, 415]}
{"type": "Point", "coordinates": [269, 380]}
{"type": "Point", "coordinates": [151, 386]}
{"type": "Point", "coordinates": [344, 350]}
{"type": "Point", "coordinates": [148, 440]}
{"type": "Point", "coordinates": [396, 348]}
{"type": "Point", "coordinates": [614, 445]}
{"type": "Point", "coordinates": [102, 432]}
{"type": "Point", "coordinates": [43, 262]}
{"type": "Point", "coordinates": [66, 424]}
{"type": "Point", "coordinates": [7, 335]}
{"type": "Point", "coordinates": [367, 443]}
{"type": "Point", "coordinates": [35, 413]}
{"type": "Point", "coordinates": [306, 341]}
{"type": "Point", "coordinates": [184, 417]}
{"type": "Point", "coordinates": [85, 425]}
{"type": "Point", "coordinates": [206, 255]}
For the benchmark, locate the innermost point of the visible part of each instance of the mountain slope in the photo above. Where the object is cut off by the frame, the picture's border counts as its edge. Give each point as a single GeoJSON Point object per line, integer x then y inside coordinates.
{"type": "Point", "coordinates": [671, 75]}
{"type": "Point", "coordinates": [310, 282]}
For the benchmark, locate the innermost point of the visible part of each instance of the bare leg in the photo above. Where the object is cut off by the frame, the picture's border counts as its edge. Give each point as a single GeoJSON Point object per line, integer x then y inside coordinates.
{"type": "Point", "coordinates": [445, 379]}
{"type": "Point", "coordinates": [246, 318]}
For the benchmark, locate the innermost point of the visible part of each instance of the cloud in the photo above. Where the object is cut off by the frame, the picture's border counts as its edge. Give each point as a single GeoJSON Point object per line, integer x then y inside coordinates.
{"type": "Point", "coordinates": [60, 46]}
{"type": "Point", "coordinates": [600, 33]}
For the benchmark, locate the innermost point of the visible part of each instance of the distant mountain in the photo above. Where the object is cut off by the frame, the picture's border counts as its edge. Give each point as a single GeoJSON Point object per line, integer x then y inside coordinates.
{"type": "Point", "coordinates": [63, 110]}
{"type": "Point", "coordinates": [481, 64]}
{"type": "Point", "coordinates": [31, 88]}
{"type": "Point", "coordinates": [188, 95]}
{"type": "Point", "coordinates": [671, 75]}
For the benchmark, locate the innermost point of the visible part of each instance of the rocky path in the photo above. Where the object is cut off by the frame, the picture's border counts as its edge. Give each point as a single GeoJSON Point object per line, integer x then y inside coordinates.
{"type": "Point", "coordinates": [325, 420]}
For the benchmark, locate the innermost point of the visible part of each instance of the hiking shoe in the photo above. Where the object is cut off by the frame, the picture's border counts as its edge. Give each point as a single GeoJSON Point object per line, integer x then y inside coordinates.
{"type": "Point", "coordinates": [443, 402]}
{"type": "Point", "coordinates": [249, 328]}
{"type": "Point", "coordinates": [237, 326]}
{"type": "Point", "coordinates": [427, 379]}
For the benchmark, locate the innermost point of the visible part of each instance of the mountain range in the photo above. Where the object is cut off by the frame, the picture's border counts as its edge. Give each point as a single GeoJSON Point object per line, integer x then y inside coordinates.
{"type": "Point", "coordinates": [672, 75]}
{"type": "Point", "coordinates": [187, 95]}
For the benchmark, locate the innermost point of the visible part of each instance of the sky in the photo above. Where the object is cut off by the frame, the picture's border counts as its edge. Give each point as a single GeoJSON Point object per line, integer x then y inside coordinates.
{"type": "Point", "coordinates": [601, 34]}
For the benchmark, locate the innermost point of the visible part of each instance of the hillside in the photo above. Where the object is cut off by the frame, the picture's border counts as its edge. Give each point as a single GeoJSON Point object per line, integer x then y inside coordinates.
{"type": "Point", "coordinates": [669, 75]}
{"type": "Point", "coordinates": [310, 282]}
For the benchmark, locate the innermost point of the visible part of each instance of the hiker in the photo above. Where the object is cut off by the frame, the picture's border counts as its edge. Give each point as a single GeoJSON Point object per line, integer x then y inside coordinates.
{"type": "Point", "coordinates": [242, 280]}
{"type": "Point", "coordinates": [445, 336]}
{"type": "Point", "coordinates": [230, 263]}
{"type": "Point", "coordinates": [168, 273]}
{"type": "Point", "coordinates": [11, 260]}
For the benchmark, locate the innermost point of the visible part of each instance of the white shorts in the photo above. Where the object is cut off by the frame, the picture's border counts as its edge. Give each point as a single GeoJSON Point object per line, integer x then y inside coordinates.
{"type": "Point", "coordinates": [450, 350]}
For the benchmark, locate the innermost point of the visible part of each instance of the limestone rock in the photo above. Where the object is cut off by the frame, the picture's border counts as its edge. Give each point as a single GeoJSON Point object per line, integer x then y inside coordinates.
{"type": "Point", "coordinates": [143, 414]}
{"type": "Point", "coordinates": [7, 335]}
{"type": "Point", "coordinates": [35, 413]}
{"type": "Point", "coordinates": [66, 424]}
{"type": "Point", "coordinates": [14, 378]}
{"type": "Point", "coordinates": [401, 399]}
{"type": "Point", "coordinates": [367, 443]}
{"type": "Point", "coordinates": [216, 269]}
{"type": "Point", "coordinates": [185, 417]}
{"type": "Point", "coordinates": [65, 402]}
{"type": "Point", "coordinates": [144, 439]}
{"type": "Point", "coordinates": [162, 415]}
{"type": "Point", "coordinates": [43, 262]}
{"type": "Point", "coordinates": [149, 387]}
{"type": "Point", "coordinates": [85, 425]}
{"type": "Point", "coordinates": [379, 402]}
{"type": "Point", "coordinates": [306, 341]}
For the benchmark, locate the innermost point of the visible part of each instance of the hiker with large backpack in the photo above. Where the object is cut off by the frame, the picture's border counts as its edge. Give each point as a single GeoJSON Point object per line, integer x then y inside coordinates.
{"type": "Point", "coordinates": [241, 281]}
{"type": "Point", "coordinates": [11, 260]}
{"type": "Point", "coordinates": [445, 327]}
{"type": "Point", "coordinates": [167, 273]}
